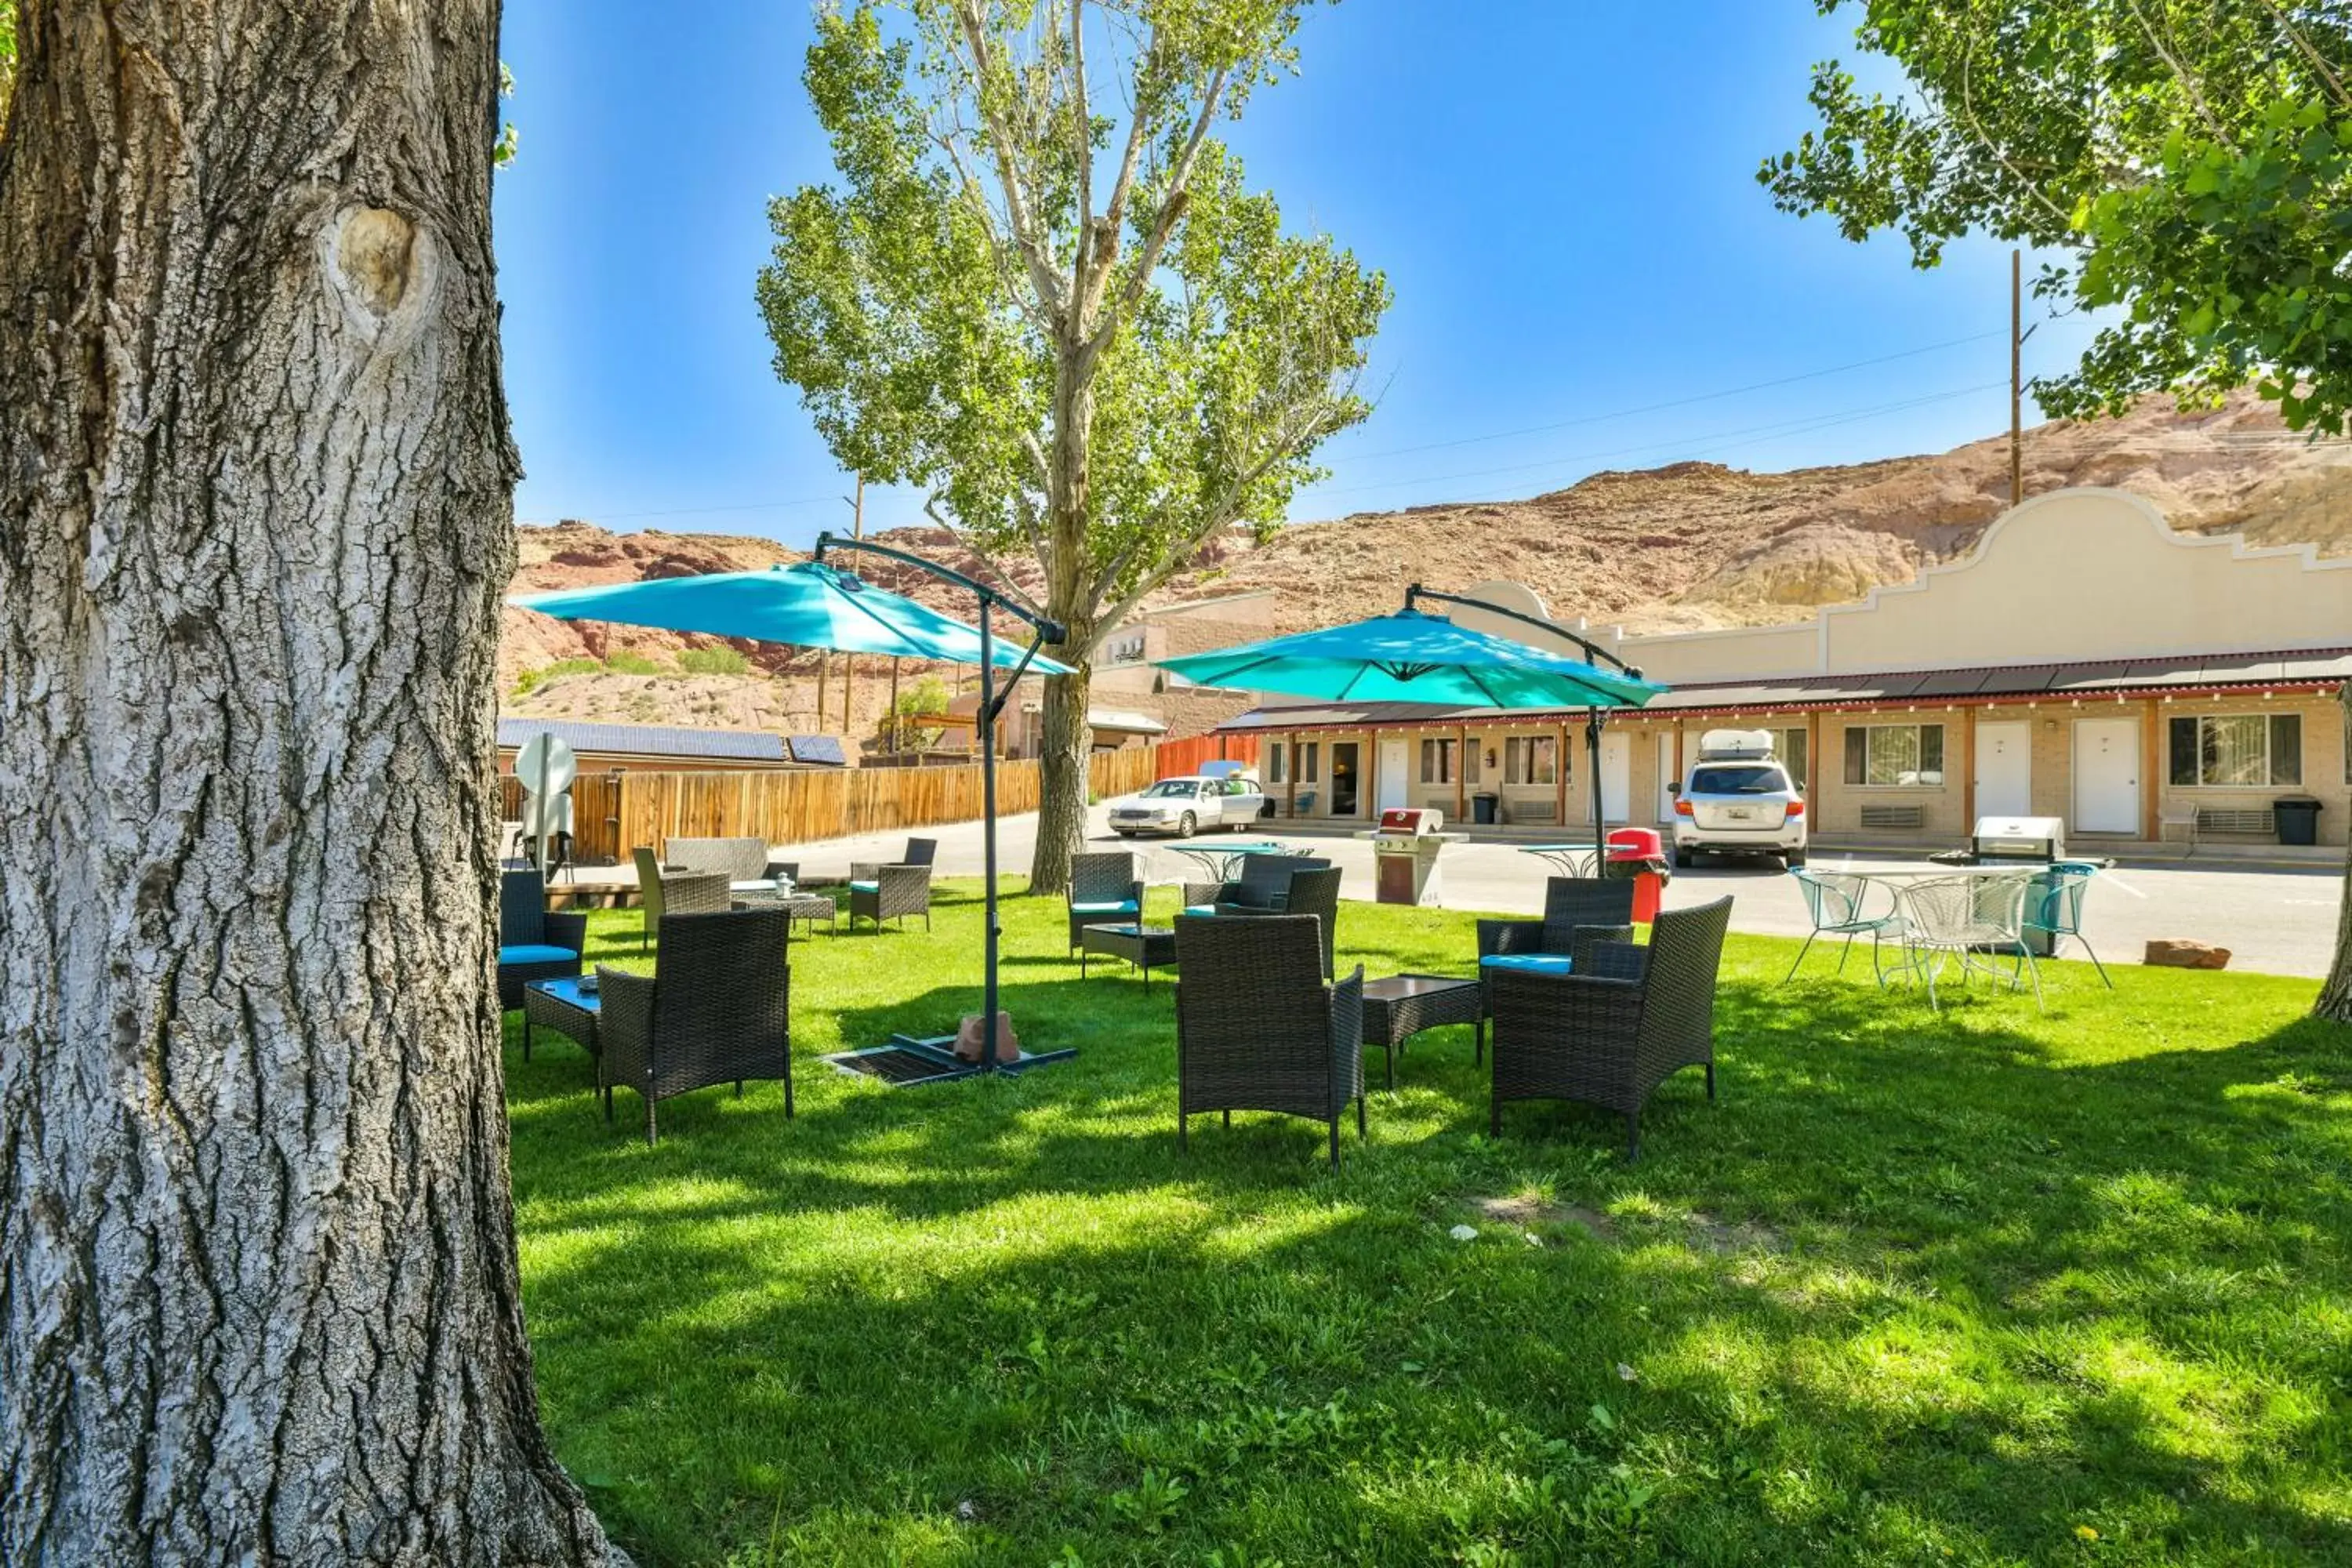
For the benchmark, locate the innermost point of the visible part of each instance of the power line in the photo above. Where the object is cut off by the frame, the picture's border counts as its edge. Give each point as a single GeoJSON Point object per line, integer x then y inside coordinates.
{"type": "Point", "coordinates": [1677, 402]}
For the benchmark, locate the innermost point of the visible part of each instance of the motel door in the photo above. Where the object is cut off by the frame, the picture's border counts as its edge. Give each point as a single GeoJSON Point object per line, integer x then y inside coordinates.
{"type": "Point", "coordinates": [2004, 766]}
{"type": "Point", "coordinates": [1669, 773]}
{"type": "Point", "coordinates": [2107, 775]}
{"type": "Point", "coordinates": [1395, 757]}
{"type": "Point", "coordinates": [1616, 775]}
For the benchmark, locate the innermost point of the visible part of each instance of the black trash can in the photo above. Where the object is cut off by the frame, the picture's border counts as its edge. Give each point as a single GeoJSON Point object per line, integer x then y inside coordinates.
{"type": "Point", "coordinates": [2298, 819]}
{"type": "Point", "coordinates": [1483, 808]}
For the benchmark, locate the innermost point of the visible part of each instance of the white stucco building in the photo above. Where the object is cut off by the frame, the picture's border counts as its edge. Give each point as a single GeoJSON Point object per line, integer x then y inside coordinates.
{"type": "Point", "coordinates": [2085, 662]}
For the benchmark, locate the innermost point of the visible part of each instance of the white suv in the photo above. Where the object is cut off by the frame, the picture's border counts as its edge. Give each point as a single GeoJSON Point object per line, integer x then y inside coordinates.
{"type": "Point", "coordinates": [1738, 800]}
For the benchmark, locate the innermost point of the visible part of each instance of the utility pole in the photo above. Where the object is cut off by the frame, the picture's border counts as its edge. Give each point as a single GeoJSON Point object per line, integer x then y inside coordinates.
{"type": "Point", "coordinates": [2016, 376]}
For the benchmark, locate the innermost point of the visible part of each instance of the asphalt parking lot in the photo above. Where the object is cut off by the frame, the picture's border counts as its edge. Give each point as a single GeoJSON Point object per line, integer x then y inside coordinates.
{"type": "Point", "coordinates": [2274, 921]}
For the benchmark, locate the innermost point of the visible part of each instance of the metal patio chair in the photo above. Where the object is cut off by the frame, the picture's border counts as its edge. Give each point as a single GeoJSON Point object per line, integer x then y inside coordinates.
{"type": "Point", "coordinates": [1835, 902]}
{"type": "Point", "coordinates": [1971, 919]}
{"type": "Point", "coordinates": [2054, 911]}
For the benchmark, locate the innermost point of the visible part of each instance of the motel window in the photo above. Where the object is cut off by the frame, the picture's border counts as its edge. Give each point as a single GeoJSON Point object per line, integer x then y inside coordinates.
{"type": "Point", "coordinates": [2240, 750]}
{"type": "Point", "coordinates": [1310, 761]}
{"type": "Point", "coordinates": [1436, 762]}
{"type": "Point", "coordinates": [1125, 649]}
{"type": "Point", "coordinates": [1274, 762]}
{"type": "Point", "coordinates": [1901, 755]}
{"type": "Point", "coordinates": [1789, 745]}
{"type": "Point", "coordinates": [1531, 760]}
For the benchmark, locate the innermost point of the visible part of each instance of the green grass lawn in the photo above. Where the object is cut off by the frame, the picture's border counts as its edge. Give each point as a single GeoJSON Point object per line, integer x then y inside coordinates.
{"type": "Point", "coordinates": [1984, 1288]}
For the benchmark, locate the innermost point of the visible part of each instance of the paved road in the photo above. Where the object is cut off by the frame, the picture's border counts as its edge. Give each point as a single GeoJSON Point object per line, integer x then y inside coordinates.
{"type": "Point", "coordinates": [2273, 922]}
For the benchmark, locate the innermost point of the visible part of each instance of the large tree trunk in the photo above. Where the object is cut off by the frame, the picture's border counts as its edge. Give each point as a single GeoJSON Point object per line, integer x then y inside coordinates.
{"type": "Point", "coordinates": [2336, 996]}
{"type": "Point", "coordinates": [1065, 738]}
{"type": "Point", "coordinates": [258, 1292]}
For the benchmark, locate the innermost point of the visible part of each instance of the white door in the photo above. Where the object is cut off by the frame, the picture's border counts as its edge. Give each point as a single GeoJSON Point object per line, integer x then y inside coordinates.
{"type": "Point", "coordinates": [1616, 775]}
{"type": "Point", "coordinates": [2107, 775]}
{"type": "Point", "coordinates": [1668, 772]}
{"type": "Point", "coordinates": [2004, 770]}
{"type": "Point", "coordinates": [1393, 753]}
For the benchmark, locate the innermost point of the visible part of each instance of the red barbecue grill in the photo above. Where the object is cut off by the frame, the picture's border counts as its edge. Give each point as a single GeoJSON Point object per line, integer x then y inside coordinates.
{"type": "Point", "coordinates": [1404, 854]}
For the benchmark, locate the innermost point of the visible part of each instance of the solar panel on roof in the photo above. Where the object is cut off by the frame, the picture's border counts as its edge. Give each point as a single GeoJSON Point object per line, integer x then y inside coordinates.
{"type": "Point", "coordinates": [817, 750]}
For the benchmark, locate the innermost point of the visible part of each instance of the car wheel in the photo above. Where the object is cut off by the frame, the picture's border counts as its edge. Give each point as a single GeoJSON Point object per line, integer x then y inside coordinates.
{"type": "Point", "coordinates": [1683, 858]}
{"type": "Point", "coordinates": [1124, 832]}
{"type": "Point", "coordinates": [1794, 859]}
{"type": "Point", "coordinates": [1187, 825]}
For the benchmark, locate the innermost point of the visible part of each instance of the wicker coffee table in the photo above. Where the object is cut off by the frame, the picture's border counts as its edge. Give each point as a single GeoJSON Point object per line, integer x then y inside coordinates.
{"type": "Point", "coordinates": [563, 1007]}
{"type": "Point", "coordinates": [1399, 1007]}
{"type": "Point", "coordinates": [1141, 945]}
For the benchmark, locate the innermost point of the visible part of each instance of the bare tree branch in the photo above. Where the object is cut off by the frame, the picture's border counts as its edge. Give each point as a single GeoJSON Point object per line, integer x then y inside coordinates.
{"type": "Point", "coordinates": [1018, 216]}
{"type": "Point", "coordinates": [1004, 583]}
{"type": "Point", "coordinates": [1171, 207]}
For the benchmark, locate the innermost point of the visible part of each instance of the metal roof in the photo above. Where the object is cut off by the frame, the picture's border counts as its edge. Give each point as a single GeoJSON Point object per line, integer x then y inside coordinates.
{"type": "Point", "coordinates": [2312, 667]}
{"type": "Point", "coordinates": [648, 740]}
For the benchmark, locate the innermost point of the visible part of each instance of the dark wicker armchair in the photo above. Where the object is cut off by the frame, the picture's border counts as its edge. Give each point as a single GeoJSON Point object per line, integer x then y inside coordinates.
{"type": "Point", "coordinates": [1610, 1033]}
{"type": "Point", "coordinates": [716, 1012]}
{"type": "Point", "coordinates": [666, 892]}
{"type": "Point", "coordinates": [1256, 1029]}
{"type": "Point", "coordinates": [1578, 912]}
{"type": "Point", "coordinates": [1104, 891]}
{"type": "Point", "coordinates": [533, 944]}
{"type": "Point", "coordinates": [1313, 891]}
{"type": "Point", "coordinates": [1263, 888]}
{"type": "Point", "coordinates": [889, 893]}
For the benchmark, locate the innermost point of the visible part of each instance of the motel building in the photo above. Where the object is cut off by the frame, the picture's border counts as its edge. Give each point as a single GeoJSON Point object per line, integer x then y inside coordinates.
{"type": "Point", "coordinates": [2085, 662]}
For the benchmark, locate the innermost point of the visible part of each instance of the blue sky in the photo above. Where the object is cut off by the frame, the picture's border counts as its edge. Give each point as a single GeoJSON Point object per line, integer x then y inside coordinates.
{"type": "Point", "coordinates": [1562, 195]}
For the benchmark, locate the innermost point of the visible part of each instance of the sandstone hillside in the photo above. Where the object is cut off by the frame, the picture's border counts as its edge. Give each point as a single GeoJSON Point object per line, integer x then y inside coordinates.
{"type": "Point", "coordinates": [1687, 546]}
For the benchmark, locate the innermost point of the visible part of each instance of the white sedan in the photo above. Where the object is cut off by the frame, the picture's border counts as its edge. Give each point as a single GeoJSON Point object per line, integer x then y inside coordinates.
{"type": "Point", "coordinates": [1184, 806]}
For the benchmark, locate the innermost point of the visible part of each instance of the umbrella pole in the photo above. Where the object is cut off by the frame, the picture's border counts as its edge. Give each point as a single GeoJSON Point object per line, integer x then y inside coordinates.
{"type": "Point", "coordinates": [1592, 763]}
{"type": "Point", "coordinates": [987, 733]}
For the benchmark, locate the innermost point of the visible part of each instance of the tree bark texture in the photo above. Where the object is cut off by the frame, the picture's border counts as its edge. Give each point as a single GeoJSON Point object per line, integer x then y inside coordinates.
{"type": "Point", "coordinates": [1065, 739]}
{"type": "Point", "coordinates": [2336, 996]}
{"type": "Point", "coordinates": [259, 1293]}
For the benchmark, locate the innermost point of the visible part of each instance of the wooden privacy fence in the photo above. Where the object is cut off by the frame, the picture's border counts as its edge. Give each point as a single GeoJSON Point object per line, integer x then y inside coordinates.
{"type": "Point", "coordinates": [1182, 759]}
{"type": "Point", "coordinates": [613, 814]}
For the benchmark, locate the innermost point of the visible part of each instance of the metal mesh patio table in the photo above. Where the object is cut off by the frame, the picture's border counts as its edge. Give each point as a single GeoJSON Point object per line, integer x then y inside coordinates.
{"type": "Point", "coordinates": [1399, 1007]}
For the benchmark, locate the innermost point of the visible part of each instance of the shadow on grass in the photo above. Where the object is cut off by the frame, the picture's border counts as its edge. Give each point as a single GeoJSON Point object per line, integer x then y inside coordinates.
{"type": "Point", "coordinates": [2003, 1276]}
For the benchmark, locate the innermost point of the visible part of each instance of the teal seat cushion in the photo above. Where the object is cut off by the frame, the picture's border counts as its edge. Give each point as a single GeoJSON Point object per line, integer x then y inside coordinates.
{"type": "Point", "coordinates": [1123, 906]}
{"type": "Point", "coordinates": [536, 952]}
{"type": "Point", "coordinates": [1527, 963]}
{"type": "Point", "coordinates": [1200, 909]}
{"type": "Point", "coordinates": [865, 886]}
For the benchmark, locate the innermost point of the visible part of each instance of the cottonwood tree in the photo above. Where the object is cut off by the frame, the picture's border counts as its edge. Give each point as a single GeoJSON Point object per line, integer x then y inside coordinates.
{"type": "Point", "coordinates": [1043, 292]}
{"type": "Point", "coordinates": [2189, 161]}
{"type": "Point", "coordinates": [259, 1290]}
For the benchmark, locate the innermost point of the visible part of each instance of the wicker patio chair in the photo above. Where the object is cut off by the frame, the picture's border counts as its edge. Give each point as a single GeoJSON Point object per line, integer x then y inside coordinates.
{"type": "Point", "coordinates": [662, 892]}
{"type": "Point", "coordinates": [889, 893]}
{"type": "Point", "coordinates": [717, 1011]}
{"type": "Point", "coordinates": [1610, 1033]}
{"type": "Point", "coordinates": [1834, 902]}
{"type": "Point", "coordinates": [1104, 891]}
{"type": "Point", "coordinates": [1578, 912]}
{"type": "Point", "coordinates": [1314, 891]}
{"type": "Point", "coordinates": [1263, 888]}
{"type": "Point", "coordinates": [1256, 1029]}
{"type": "Point", "coordinates": [2055, 912]}
{"type": "Point", "coordinates": [533, 944]}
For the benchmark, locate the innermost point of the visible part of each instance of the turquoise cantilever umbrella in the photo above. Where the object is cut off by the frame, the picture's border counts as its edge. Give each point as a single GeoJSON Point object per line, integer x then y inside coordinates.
{"type": "Point", "coordinates": [812, 605]}
{"type": "Point", "coordinates": [1412, 655]}
{"type": "Point", "coordinates": [807, 604]}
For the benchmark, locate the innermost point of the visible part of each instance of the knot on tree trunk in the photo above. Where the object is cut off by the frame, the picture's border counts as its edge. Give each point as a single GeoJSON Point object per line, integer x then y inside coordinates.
{"type": "Point", "coordinates": [376, 254]}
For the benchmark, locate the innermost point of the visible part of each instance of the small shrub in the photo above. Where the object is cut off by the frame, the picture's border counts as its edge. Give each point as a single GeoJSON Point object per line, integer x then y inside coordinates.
{"type": "Point", "coordinates": [531, 680]}
{"type": "Point", "coordinates": [713, 662]}
{"type": "Point", "coordinates": [622, 662]}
